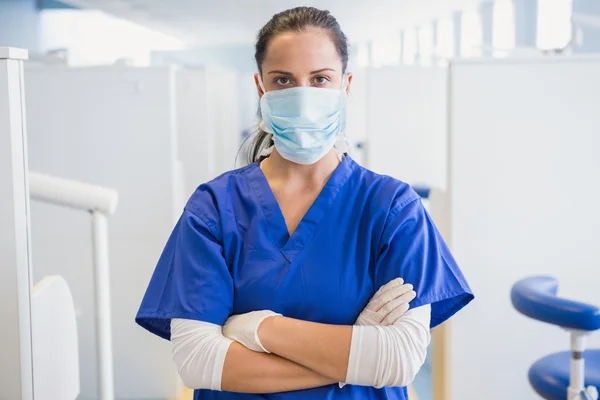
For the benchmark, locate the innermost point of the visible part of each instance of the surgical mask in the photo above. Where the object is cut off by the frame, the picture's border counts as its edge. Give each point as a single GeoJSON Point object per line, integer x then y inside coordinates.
{"type": "Point", "coordinates": [305, 121]}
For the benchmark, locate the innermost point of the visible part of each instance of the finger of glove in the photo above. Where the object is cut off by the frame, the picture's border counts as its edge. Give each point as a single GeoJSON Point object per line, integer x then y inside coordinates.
{"type": "Point", "coordinates": [368, 317]}
{"type": "Point", "coordinates": [393, 304]}
{"type": "Point", "coordinates": [390, 285]}
{"type": "Point", "coordinates": [229, 327]}
{"type": "Point", "coordinates": [395, 285]}
{"type": "Point", "coordinates": [388, 292]}
{"type": "Point", "coordinates": [380, 301]}
{"type": "Point", "coordinates": [246, 340]}
{"type": "Point", "coordinates": [377, 303]}
{"type": "Point", "coordinates": [234, 335]}
{"type": "Point", "coordinates": [395, 314]}
{"type": "Point", "coordinates": [242, 329]}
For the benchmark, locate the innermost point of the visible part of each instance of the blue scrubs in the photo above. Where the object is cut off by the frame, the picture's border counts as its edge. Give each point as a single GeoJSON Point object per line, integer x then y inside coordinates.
{"type": "Point", "coordinates": [231, 253]}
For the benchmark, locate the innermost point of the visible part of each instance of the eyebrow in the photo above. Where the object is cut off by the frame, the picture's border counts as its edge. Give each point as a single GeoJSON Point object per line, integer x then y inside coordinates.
{"type": "Point", "coordinates": [312, 73]}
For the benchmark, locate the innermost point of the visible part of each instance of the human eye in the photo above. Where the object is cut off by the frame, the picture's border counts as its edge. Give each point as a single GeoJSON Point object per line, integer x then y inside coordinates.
{"type": "Point", "coordinates": [282, 81]}
{"type": "Point", "coordinates": [321, 80]}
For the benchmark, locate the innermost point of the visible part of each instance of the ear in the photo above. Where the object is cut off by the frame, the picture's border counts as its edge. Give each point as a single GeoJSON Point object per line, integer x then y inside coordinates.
{"type": "Point", "coordinates": [349, 83]}
{"type": "Point", "coordinates": [257, 83]}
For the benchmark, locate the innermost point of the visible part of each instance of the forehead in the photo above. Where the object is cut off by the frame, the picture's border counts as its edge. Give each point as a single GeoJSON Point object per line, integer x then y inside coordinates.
{"type": "Point", "coordinates": [309, 49]}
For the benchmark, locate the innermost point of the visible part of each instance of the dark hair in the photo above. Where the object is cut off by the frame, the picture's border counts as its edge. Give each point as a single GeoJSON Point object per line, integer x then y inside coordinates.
{"type": "Point", "coordinates": [294, 20]}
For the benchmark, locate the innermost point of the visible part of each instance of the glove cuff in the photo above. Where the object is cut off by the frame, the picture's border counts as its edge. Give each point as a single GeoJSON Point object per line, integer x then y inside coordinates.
{"type": "Point", "coordinates": [256, 338]}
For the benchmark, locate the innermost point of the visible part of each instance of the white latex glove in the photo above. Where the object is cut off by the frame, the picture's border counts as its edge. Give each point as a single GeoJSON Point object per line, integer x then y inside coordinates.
{"type": "Point", "coordinates": [388, 304]}
{"type": "Point", "coordinates": [243, 329]}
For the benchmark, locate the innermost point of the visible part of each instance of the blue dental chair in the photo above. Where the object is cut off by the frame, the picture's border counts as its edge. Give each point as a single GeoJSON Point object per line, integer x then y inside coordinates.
{"type": "Point", "coordinates": [561, 375]}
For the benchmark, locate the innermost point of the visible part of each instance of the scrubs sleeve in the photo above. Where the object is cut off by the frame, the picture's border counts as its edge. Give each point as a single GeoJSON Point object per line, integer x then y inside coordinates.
{"type": "Point", "coordinates": [191, 280]}
{"type": "Point", "coordinates": [412, 248]}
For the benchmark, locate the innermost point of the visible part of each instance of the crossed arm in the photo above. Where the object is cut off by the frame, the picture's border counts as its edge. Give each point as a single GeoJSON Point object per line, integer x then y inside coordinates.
{"type": "Point", "coordinates": [305, 355]}
{"type": "Point", "coordinates": [322, 348]}
{"type": "Point", "coordinates": [375, 356]}
{"type": "Point", "coordinates": [208, 360]}
{"type": "Point", "coordinates": [246, 371]}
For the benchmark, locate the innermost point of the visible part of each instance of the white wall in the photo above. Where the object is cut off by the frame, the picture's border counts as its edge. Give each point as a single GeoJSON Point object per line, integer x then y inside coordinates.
{"type": "Point", "coordinates": [224, 108]}
{"type": "Point", "coordinates": [196, 142]}
{"type": "Point", "coordinates": [208, 123]}
{"type": "Point", "coordinates": [407, 123]}
{"type": "Point", "coordinates": [113, 127]}
{"type": "Point", "coordinates": [356, 119]}
{"type": "Point", "coordinates": [524, 188]}
{"type": "Point", "coordinates": [248, 100]}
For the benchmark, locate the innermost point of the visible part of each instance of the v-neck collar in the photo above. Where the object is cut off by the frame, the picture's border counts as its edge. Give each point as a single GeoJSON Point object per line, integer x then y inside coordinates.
{"type": "Point", "coordinates": [292, 245]}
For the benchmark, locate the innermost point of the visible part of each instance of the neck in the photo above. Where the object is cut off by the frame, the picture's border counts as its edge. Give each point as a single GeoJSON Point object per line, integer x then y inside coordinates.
{"type": "Point", "coordinates": [276, 167]}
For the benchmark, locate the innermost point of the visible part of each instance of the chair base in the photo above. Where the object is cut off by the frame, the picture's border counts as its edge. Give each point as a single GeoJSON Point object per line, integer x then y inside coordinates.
{"type": "Point", "coordinates": [550, 375]}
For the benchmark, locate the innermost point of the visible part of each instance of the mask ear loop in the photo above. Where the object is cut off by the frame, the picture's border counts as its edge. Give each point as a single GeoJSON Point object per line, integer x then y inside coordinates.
{"type": "Point", "coordinates": [345, 82]}
{"type": "Point", "coordinates": [266, 152]}
{"type": "Point", "coordinates": [342, 145]}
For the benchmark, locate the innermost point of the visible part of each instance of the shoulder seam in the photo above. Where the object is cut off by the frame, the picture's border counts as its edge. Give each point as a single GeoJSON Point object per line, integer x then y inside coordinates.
{"type": "Point", "coordinates": [393, 212]}
{"type": "Point", "coordinates": [211, 226]}
{"type": "Point", "coordinates": [401, 206]}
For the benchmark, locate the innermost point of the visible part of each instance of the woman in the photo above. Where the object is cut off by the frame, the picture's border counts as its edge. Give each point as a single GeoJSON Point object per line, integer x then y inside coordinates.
{"type": "Point", "coordinates": [285, 277]}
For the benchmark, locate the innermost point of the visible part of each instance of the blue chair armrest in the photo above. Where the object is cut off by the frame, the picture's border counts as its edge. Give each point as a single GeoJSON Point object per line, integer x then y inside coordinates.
{"type": "Point", "coordinates": [536, 298]}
